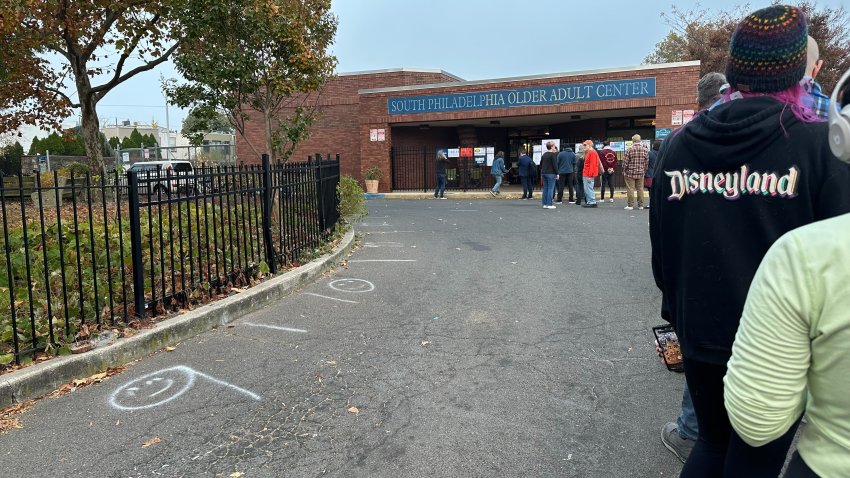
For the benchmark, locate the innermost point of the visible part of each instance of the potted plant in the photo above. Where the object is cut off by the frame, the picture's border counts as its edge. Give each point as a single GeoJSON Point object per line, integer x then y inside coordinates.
{"type": "Point", "coordinates": [373, 175]}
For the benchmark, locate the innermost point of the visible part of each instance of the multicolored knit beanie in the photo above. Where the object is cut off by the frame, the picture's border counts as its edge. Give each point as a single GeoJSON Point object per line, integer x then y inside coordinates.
{"type": "Point", "coordinates": [768, 50]}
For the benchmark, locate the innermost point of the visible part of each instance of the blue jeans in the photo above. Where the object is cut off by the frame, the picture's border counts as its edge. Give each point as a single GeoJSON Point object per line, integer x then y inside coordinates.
{"type": "Point", "coordinates": [441, 186]}
{"type": "Point", "coordinates": [498, 183]}
{"type": "Point", "coordinates": [589, 194]}
{"type": "Point", "coordinates": [687, 421]}
{"type": "Point", "coordinates": [548, 188]}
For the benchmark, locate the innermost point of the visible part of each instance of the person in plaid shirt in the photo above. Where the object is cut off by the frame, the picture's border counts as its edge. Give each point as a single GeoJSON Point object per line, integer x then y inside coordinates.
{"type": "Point", "coordinates": [816, 100]}
{"type": "Point", "coordinates": [634, 168]}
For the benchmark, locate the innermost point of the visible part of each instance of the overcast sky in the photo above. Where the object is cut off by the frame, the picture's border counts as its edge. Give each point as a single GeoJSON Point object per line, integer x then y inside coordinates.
{"type": "Point", "coordinates": [473, 39]}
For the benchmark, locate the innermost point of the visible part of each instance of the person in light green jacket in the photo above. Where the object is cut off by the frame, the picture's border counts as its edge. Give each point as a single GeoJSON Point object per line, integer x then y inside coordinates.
{"type": "Point", "coordinates": [792, 350]}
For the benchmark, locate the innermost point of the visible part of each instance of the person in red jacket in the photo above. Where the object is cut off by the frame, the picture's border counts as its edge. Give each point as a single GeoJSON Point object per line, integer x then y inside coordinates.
{"type": "Point", "coordinates": [592, 168]}
{"type": "Point", "coordinates": [609, 167]}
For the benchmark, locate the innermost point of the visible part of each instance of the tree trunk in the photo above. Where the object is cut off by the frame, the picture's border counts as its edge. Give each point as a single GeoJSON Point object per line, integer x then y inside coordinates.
{"type": "Point", "coordinates": [91, 135]}
{"type": "Point", "coordinates": [267, 116]}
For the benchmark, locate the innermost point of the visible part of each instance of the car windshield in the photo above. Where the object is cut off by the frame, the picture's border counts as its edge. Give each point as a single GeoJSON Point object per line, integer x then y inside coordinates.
{"type": "Point", "coordinates": [182, 167]}
{"type": "Point", "coordinates": [144, 167]}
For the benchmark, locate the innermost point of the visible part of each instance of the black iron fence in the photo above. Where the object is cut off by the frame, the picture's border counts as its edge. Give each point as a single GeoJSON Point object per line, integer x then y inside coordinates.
{"type": "Point", "coordinates": [85, 254]}
{"type": "Point", "coordinates": [414, 169]}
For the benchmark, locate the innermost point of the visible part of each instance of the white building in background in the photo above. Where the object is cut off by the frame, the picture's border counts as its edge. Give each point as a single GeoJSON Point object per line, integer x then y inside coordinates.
{"type": "Point", "coordinates": [216, 147]}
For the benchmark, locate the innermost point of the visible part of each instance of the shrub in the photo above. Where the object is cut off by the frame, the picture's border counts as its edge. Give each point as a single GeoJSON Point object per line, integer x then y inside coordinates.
{"type": "Point", "coordinates": [351, 200]}
{"type": "Point", "coordinates": [373, 173]}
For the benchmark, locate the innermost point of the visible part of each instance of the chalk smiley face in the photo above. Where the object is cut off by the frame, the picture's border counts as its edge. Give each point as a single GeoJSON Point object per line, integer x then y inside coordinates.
{"type": "Point", "coordinates": [153, 389]}
{"type": "Point", "coordinates": [352, 285]}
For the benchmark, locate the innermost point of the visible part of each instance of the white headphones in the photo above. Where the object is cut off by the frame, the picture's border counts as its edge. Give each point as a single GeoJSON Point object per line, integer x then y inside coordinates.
{"type": "Point", "coordinates": [839, 123]}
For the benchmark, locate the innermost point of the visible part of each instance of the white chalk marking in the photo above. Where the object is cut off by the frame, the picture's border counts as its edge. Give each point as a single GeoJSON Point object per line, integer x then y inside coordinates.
{"type": "Point", "coordinates": [352, 285]}
{"type": "Point", "coordinates": [331, 298]}
{"type": "Point", "coordinates": [383, 260]}
{"type": "Point", "coordinates": [275, 327]}
{"type": "Point", "coordinates": [180, 373]}
{"type": "Point", "coordinates": [383, 244]}
{"type": "Point", "coordinates": [463, 210]}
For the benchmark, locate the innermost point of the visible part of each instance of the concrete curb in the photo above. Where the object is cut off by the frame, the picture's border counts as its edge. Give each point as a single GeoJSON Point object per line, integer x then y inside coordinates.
{"type": "Point", "coordinates": [39, 379]}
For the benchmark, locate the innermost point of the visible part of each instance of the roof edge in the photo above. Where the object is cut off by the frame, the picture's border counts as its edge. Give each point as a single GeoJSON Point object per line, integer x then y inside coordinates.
{"type": "Point", "coordinates": [397, 70]}
{"type": "Point", "coordinates": [655, 66]}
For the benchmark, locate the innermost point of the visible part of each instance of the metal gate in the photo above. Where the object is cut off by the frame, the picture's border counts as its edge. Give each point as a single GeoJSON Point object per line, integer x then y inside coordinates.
{"type": "Point", "coordinates": [414, 169]}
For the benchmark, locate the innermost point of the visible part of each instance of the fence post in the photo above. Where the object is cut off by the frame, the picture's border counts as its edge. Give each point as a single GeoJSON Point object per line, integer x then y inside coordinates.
{"type": "Point", "coordinates": [424, 169]}
{"type": "Point", "coordinates": [320, 191]}
{"type": "Point", "coordinates": [267, 214]}
{"type": "Point", "coordinates": [136, 244]}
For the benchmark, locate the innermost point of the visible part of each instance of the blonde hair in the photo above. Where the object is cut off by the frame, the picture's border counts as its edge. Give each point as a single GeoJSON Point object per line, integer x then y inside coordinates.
{"type": "Point", "coordinates": [636, 138]}
{"type": "Point", "coordinates": [812, 55]}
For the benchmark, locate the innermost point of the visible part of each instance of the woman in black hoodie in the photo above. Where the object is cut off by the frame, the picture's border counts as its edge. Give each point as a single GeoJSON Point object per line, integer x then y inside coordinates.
{"type": "Point", "coordinates": [730, 184]}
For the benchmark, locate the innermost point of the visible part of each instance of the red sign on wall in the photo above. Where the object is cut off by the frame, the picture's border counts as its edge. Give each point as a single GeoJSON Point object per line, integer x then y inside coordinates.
{"type": "Point", "coordinates": [465, 152]}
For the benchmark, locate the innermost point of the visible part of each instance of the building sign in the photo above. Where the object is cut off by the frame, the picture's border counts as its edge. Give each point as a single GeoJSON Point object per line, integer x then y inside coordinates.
{"type": "Point", "coordinates": [687, 116]}
{"type": "Point", "coordinates": [465, 152]}
{"type": "Point", "coordinates": [382, 134]}
{"type": "Point", "coordinates": [533, 96]}
{"type": "Point", "coordinates": [662, 133]}
{"type": "Point", "coordinates": [373, 134]}
{"type": "Point", "coordinates": [454, 153]}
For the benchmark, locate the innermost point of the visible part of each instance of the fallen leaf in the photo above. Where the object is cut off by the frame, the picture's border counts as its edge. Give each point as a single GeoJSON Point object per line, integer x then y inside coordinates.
{"type": "Point", "coordinates": [117, 423]}
{"type": "Point", "coordinates": [424, 343]}
{"type": "Point", "coordinates": [170, 348]}
{"type": "Point", "coordinates": [354, 410]}
{"type": "Point", "coordinates": [236, 474]}
{"type": "Point", "coordinates": [151, 442]}
{"type": "Point", "coordinates": [98, 376]}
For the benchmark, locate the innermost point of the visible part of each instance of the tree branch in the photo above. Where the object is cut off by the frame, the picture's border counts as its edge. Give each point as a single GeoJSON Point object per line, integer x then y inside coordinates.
{"type": "Point", "coordinates": [97, 38]}
{"type": "Point", "coordinates": [63, 95]}
{"type": "Point", "coordinates": [116, 80]}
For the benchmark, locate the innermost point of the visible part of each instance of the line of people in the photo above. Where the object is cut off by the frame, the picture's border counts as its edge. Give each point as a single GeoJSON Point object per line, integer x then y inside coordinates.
{"type": "Point", "coordinates": [748, 225]}
{"type": "Point", "coordinates": [577, 172]}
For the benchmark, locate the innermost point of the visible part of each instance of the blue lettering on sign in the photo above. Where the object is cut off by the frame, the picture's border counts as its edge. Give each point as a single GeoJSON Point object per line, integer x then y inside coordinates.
{"type": "Point", "coordinates": [533, 96]}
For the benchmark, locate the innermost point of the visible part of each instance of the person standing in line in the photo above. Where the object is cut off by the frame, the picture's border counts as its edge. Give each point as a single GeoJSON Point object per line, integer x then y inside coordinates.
{"type": "Point", "coordinates": [772, 155]}
{"type": "Point", "coordinates": [525, 166]}
{"type": "Point", "coordinates": [609, 167]}
{"type": "Point", "coordinates": [549, 171]}
{"type": "Point", "coordinates": [592, 168]}
{"type": "Point", "coordinates": [578, 176]}
{"type": "Point", "coordinates": [790, 352]}
{"type": "Point", "coordinates": [816, 100]}
{"type": "Point", "coordinates": [679, 436]}
{"type": "Point", "coordinates": [498, 171]}
{"type": "Point", "coordinates": [442, 161]}
{"type": "Point", "coordinates": [566, 166]}
{"type": "Point", "coordinates": [650, 166]}
{"type": "Point", "coordinates": [634, 170]}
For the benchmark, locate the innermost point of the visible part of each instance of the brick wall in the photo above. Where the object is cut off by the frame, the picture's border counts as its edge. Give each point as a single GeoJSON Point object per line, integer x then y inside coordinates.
{"type": "Point", "coordinates": [347, 116]}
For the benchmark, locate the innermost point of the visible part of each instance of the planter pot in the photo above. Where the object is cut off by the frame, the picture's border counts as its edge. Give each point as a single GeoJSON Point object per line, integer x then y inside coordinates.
{"type": "Point", "coordinates": [372, 186]}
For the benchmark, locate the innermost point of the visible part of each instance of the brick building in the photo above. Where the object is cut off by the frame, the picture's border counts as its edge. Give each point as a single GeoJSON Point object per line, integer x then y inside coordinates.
{"type": "Point", "coordinates": [379, 118]}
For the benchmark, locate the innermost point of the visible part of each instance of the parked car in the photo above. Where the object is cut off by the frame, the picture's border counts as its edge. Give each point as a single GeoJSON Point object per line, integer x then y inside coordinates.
{"type": "Point", "coordinates": [165, 177]}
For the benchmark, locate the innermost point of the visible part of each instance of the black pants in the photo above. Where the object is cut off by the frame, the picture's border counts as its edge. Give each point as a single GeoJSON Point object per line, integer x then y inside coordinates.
{"type": "Point", "coordinates": [798, 468]}
{"type": "Point", "coordinates": [579, 184]}
{"type": "Point", "coordinates": [719, 451]}
{"type": "Point", "coordinates": [565, 179]}
{"type": "Point", "coordinates": [527, 186]}
{"type": "Point", "coordinates": [607, 178]}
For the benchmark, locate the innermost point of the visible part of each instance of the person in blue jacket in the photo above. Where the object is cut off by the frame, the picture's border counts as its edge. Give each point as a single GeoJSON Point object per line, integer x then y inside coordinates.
{"type": "Point", "coordinates": [498, 171]}
{"type": "Point", "coordinates": [566, 165]}
{"type": "Point", "coordinates": [526, 176]}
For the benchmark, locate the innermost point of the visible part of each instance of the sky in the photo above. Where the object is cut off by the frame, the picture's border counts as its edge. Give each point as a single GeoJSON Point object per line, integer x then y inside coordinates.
{"type": "Point", "coordinates": [472, 39]}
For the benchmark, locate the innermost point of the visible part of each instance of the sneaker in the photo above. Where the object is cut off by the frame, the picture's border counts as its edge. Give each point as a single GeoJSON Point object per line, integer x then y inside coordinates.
{"type": "Point", "coordinates": [681, 447]}
{"type": "Point", "coordinates": [559, 202]}
{"type": "Point", "coordinates": [628, 208]}
{"type": "Point", "coordinates": [611, 200]}
{"type": "Point", "coordinates": [525, 199]}
{"type": "Point", "coordinates": [572, 202]}
{"type": "Point", "coordinates": [640, 208]}
{"type": "Point", "coordinates": [493, 193]}
{"type": "Point", "coordinates": [442, 197]}
{"type": "Point", "coordinates": [590, 205]}
{"type": "Point", "coordinates": [551, 207]}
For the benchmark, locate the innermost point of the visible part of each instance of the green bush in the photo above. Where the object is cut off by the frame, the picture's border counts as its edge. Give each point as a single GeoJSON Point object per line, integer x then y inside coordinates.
{"type": "Point", "coordinates": [351, 200]}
